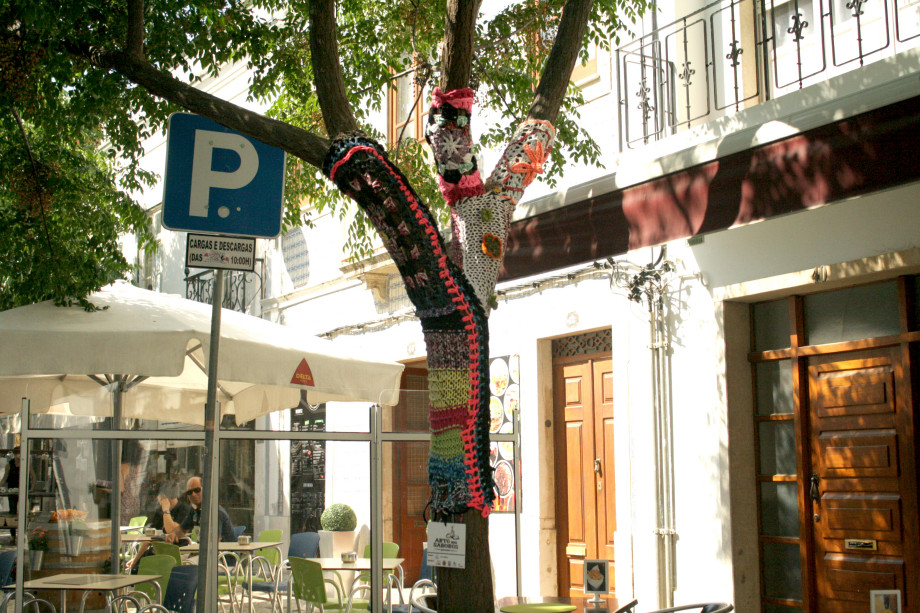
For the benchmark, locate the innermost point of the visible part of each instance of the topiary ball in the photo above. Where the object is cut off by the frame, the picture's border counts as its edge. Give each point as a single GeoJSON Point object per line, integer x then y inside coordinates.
{"type": "Point", "coordinates": [338, 517]}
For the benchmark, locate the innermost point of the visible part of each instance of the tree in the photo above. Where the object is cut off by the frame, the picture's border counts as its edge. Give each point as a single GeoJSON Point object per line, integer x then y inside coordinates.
{"type": "Point", "coordinates": [331, 60]}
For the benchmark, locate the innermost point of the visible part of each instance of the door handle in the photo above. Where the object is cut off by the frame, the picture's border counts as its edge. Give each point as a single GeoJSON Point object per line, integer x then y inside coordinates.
{"type": "Point", "coordinates": [597, 466]}
{"type": "Point", "coordinates": [813, 490]}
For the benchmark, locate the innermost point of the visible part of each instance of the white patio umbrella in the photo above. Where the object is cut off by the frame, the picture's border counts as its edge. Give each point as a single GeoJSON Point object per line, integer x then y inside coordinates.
{"type": "Point", "coordinates": [145, 355]}
{"type": "Point", "coordinates": [68, 360]}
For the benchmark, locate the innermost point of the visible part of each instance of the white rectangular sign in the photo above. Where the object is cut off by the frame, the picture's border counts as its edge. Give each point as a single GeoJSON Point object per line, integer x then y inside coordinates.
{"type": "Point", "coordinates": [447, 545]}
{"type": "Point", "coordinates": [227, 252]}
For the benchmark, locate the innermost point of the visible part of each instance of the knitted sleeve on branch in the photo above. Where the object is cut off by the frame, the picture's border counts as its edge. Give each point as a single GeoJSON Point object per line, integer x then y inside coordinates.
{"type": "Point", "coordinates": [482, 221]}
{"type": "Point", "coordinates": [448, 133]}
{"type": "Point", "coordinates": [453, 321]}
{"type": "Point", "coordinates": [481, 214]}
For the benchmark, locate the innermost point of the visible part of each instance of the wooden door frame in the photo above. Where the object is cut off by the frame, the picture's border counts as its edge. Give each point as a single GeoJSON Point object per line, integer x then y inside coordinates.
{"type": "Point", "coordinates": [907, 341]}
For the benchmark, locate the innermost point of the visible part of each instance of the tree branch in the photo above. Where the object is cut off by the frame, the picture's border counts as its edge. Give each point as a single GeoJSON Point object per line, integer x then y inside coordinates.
{"type": "Point", "coordinates": [457, 51]}
{"type": "Point", "coordinates": [134, 41]}
{"type": "Point", "coordinates": [561, 61]}
{"type": "Point", "coordinates": [307, 146]}
{"type": "Point", "coordinates": [327, 70]}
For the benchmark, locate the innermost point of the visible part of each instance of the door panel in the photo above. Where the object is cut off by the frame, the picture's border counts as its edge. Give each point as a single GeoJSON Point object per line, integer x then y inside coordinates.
{"type": "Point", "coordinates": [586, 512]}
{"type": "Point", "coordinates": [863, 508]}
{"type": "Point", "coordinates": [607, 516]}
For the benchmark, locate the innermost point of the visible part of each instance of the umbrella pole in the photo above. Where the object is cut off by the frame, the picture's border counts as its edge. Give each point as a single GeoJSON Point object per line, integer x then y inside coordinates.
{"type": "Point", "coordinates": [118, 401]}
{"type": "Point", "coordinates": [207, 550]}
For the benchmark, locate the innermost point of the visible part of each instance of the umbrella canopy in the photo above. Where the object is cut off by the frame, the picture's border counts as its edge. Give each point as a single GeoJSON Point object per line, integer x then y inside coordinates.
{"type": "Point", "coordinates": [68, 360]}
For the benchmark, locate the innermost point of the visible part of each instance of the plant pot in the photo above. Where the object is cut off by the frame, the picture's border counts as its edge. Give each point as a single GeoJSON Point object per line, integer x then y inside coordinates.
{"type": "Point", "coordinates": [74, 544]}
{"type": "Point", "coordinates": [332, 544]}
{"type": "Point", "coordinates": [35, 560]}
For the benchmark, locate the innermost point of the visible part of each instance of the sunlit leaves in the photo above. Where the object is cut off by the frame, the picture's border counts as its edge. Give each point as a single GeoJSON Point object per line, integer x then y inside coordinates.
{"type": "Point", "coordinates": [61, 215]}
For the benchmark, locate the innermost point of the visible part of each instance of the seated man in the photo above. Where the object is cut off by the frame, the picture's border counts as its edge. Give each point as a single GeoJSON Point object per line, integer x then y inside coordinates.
{"type": "Point", "coordinates": [167, 514]}
{"type": "Point", "coordinates": [194, 495]}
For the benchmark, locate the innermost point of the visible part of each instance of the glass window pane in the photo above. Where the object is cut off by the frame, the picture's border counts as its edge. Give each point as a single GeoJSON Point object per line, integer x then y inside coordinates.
{"type": "Point", "coordinates": [306, 417]}
{"type": "Point", "coordinates": [852, 313]}
{"type": "Point", "coordinates": [777, 448]}
{"type": "Point", "coordinates": [411, 413]}
{"type": "Point", "coordinates": [771, 325]}
{"type": "Point", "coordinates": [782, 571]}
{"type": "Point", "coordinates": [405, 497]}
{"type": "Point", "coordinates": [774, 387]}
{"type": "Point", "coordinates": [779, 509]}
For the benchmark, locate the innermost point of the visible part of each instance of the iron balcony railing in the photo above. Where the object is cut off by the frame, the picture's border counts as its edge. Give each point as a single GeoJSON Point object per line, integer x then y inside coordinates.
{"type": "Point", "coordinates": [238, 292]}
{"type": "Point", "coordinates": [733, 54]}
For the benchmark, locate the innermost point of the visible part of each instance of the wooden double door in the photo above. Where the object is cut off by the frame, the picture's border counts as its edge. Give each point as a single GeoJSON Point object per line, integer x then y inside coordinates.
{"type": "Point", "coordinates": [584, 467]}
{"type": "Point", "coordinates": [860, 493]}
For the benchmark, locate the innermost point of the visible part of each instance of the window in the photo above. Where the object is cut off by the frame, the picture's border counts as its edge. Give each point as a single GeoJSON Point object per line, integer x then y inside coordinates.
{"type": "Point", "coordinates": [407, 105]}
{"type": "Point", "coordinates": [586, 73]}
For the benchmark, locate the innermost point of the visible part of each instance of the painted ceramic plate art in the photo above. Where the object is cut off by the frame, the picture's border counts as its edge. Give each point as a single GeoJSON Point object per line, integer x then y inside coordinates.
{"type": "Point", "coordinates": [512, 395]}
{"type": "Point", "coordinates": [498, 377]}
{"type": "Point", "coordinates": [514, 368]}
{"type": "Point", "coordinates": [504, 478]}
{"type": "Point", "coordinates": [496, 414]}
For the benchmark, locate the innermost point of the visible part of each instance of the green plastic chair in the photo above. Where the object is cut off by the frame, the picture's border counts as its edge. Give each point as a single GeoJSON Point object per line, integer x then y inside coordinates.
{"type": "Point", "coordinates": [308, 584]}
{"type": "Point", "coordinates": [169, 549]}
{"type": "Point", "coordinates": [271, 554]}
{"type": "Point", "coordinates": [157, 564]}
{"type": "Point", "coordinates": [363, 580]}
{"type": "Point", "coordinates": [269, 569]}
{"type": "Point", "coordinates": [137, 522]}
{"type": "Point", "coordinates": [390, 550]}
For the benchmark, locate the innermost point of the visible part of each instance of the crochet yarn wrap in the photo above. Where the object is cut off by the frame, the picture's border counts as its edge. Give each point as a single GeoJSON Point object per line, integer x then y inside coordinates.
{"type": "Point", "coordinates": [454, 324]}
{"type": "Point", "coordinates": [481, 213]}
{"type": "Point", "coordinates": [452, 293]}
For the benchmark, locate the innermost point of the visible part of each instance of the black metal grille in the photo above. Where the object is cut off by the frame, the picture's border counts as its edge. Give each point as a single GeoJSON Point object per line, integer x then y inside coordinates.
{"type": "Point", "coordinates": [733, 54]}
{"type": "Point", "coordinates": [583, 344]}
{"type": "Point", "coordinates": [237, 293]}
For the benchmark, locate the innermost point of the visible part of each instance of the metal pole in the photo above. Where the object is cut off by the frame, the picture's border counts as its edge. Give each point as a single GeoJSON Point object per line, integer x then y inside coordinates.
{"type": "Point", "coordinates": [118, 401]}
{"type": "Point", "coordinates": [207, 549]}
{"type": "Point", "coordinates": [22, 512]}
{"type": "Point", "coordinates": [376, 509]}
{"type": "Point", "coordinates": [516, 417]}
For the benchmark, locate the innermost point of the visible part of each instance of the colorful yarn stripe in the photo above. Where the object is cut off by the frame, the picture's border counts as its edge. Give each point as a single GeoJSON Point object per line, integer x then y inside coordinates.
{"type": "Point", "coordinates": [453, 321]}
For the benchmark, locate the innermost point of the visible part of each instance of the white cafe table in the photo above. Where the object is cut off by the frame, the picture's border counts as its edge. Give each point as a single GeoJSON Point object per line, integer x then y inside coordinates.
{"type": "Point", "coordinates": [360, 564]}
{"type": "Point", "coordinates": [248, 549]}
{"type": "Point", "coordinates": [89, 583]}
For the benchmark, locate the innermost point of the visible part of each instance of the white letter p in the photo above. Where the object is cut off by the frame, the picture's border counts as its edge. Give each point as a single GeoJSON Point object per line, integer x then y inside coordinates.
{"type": "Point", "coordinates": [203, 178]}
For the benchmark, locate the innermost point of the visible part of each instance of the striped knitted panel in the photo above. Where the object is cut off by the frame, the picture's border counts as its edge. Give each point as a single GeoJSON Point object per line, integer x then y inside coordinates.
{"type": "Point", "coordinates": [453, 321]}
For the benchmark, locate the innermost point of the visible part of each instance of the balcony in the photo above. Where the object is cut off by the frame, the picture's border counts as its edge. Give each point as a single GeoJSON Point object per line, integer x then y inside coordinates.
{"type": "Point", "coordinates": [731, 55]}
{"type": "Point", "coordinates": [238, 293]}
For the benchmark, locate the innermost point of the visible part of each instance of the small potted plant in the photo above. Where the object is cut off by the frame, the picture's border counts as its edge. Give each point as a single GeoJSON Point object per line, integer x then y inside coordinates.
{"type": "Point", "coordinates": [338, 534]}
{"type": "Point", "coordinates": [38, 545]}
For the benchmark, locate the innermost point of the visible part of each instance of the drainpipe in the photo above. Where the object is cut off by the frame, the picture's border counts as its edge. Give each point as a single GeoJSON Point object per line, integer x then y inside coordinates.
{"type": "Point", "coordinates": [664, 456]}
{"type": "Point", "coordinates": [648, 286]}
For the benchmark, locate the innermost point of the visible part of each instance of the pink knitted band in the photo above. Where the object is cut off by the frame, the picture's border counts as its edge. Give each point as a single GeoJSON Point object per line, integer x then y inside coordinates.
{"type": "Point", "coordinates": [457, 98]}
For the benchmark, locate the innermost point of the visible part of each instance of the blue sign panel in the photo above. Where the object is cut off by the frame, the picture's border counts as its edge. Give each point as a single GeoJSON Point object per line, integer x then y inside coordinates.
{"type": "Point", "coordinates": [219, 181]}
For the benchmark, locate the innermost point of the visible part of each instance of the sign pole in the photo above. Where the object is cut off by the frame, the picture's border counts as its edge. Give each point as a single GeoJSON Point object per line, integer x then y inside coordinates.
{"type": "Point", "coordinates": [207, 545]}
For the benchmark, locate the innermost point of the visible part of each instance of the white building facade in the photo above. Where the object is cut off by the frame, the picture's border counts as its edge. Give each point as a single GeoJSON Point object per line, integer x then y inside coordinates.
{"type": "Point", "coordinates": [709, 347]}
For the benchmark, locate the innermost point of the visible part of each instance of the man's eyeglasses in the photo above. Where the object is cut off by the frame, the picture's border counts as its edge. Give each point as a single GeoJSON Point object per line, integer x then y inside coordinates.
{"type": "Point", "coordinates": [194, 490]}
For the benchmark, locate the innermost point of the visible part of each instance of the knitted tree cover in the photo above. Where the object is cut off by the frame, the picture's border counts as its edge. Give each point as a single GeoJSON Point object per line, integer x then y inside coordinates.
{"type": "Point", "coordinates": [452, 295]}
{"type": "Point", "coordinates": [453, 321]}
{"type": "Point", "coordinates": [481, 213]}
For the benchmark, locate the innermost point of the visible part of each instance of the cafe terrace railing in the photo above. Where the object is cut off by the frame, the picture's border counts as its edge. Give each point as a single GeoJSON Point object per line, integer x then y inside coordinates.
{"type": "Point", "coordinates": [733, 54]}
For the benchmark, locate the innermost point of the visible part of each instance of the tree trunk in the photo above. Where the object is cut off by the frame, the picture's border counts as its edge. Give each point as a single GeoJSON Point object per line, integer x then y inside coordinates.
{"type": "Point", "coordinates": [469, 589]}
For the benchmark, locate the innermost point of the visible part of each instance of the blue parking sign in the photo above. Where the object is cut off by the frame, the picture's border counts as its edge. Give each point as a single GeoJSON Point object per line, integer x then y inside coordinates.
{"type": "Point", "coordinates": [219, 181]}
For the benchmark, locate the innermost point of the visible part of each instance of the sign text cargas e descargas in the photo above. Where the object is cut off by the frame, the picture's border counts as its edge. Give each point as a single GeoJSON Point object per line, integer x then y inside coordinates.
{"type": "Point", "coordinates": [204, 243]}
